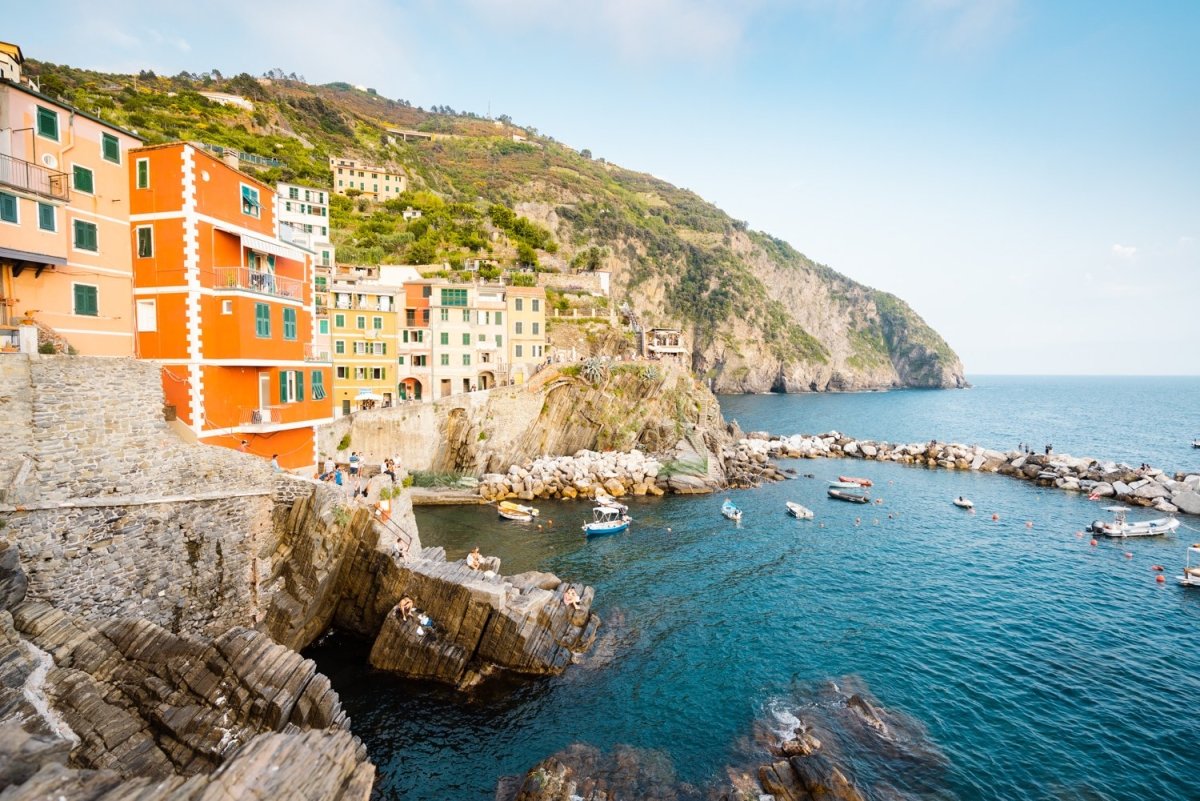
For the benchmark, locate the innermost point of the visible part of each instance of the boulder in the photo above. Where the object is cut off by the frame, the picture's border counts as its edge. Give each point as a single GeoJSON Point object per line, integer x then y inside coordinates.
{"type": "Point", "coordinates": [1150, 491]}
{"type": "Point", "coordinates": [1103, 490]}
{"type": "Point", "coordinates": [1187, 501]}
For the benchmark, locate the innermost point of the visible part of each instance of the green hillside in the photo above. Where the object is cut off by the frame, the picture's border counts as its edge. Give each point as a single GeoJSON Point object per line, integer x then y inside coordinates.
{"type": "Point", "coordinates": [675, 258]}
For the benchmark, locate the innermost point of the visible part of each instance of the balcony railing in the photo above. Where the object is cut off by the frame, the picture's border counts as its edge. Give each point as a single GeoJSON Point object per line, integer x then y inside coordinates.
{"type": "Point", "coordinates": [258, 281]}
{"type": "Point", "coordinates": [34, 178]}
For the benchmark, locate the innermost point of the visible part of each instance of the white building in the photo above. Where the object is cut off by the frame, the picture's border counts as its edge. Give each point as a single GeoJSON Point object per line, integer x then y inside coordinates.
{"type": "Point", "coordinates": [303, 219]}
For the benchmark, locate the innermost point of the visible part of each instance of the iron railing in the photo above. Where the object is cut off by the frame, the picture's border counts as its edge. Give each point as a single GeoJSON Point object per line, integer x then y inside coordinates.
{"type": "Point", "coordinates": [34, 178]}
{"type": "Point", "coordinates": [258, 281]}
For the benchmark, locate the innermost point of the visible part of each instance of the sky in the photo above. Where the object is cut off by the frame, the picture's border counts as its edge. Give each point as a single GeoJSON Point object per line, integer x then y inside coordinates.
{"type": "Point", "coordinates": [1025, 174]}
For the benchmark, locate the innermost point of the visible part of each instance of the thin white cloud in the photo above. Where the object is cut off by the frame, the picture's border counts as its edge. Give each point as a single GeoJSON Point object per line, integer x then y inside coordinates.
{"type": "Point", "coordinates": [962, 26]}
{"type": "Point", "coordinates": [1124, 251]}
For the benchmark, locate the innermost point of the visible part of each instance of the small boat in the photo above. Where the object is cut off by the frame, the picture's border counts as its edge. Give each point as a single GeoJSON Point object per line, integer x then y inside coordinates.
{"type": "Point", "coordinates": [1119, 526]}
{"type": "Point", "coordinates": [852, 497]}
{"type": "Point", "coordinates": [799, 512]}
{"type": "Point", "coordinates": [862, 482]}
{"type": "Point", "coordinates": [611, 502]}
{"type": "Point", "coordinates": [607, 520]}
{"type": "Point", "coordinates": [515, 511]}
{"type": "Point", "coordinates": [731, 511]}
{"type": "Point", "coordinates": [1191, 575]}
{"type": "Point", "coordinates": [845, 485]}
{"type": "Point", "coordinates": [1196, 443]}
{"type": "Point", "coordinates": [963, 503]}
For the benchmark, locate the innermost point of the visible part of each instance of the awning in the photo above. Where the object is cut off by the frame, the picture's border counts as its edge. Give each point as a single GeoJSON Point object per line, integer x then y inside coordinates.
{"type": "Point", "coordinates": [368, 395]}
{"type": "Point", "coordinates": [22, 259]}
{"type": "Point", "coordinates": [273, 247]}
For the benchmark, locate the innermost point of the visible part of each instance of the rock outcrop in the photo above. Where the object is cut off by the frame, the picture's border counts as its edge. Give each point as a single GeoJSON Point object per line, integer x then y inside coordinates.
{"type": "Point", "coordinates": [470, 622]}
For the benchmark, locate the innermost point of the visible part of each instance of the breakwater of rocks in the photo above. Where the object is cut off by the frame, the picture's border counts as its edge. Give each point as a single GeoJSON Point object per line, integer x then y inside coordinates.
{"type": "Point", "coordinates": [1137, 486]}
{"type": "Point", "coordinates": [586, 474]}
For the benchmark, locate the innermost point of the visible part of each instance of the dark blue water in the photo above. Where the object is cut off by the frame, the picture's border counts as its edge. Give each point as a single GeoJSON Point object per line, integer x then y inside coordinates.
{"type": "Point", "coordinates": [1041, 667]}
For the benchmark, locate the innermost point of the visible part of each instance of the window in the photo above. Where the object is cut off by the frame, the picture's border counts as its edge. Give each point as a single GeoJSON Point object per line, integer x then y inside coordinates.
{"type": "Point", "coordinates": [339, 321]}
{"type": "Point", "coordinates": [379, 374]}
{"type": "Point", "coordinates": [322, 326]}
{"type": "Point", "coordinates": [520, 304]}
{"type": "Point", "coordinates": [294, 193]}
{"type": "Point", "coordinates": [250, 204]}
{"type": "Point", "coordinates": [537, 350]}
{"type": "Point", "coordinates": [291, 386]}
{"type": "Point", "coordinates": [466, 339]}
{"type": "Point", "coordinates": [262, 320]}
{"type": "Point", "coordinates": [227, 307]}
{"type": "Point", "coordinates": [400, 361]}
{"type": "Point", "coordinates": [483, 337]}
{"type": "Point", "coordinates": [426, 291]}
{"type": "Point", "coordinates": [110, 148]}
{"type": "Point", "coordinates": [143, 173]}
{"type": "Point", "coordinates": [360, 374]}
{"type": "Point", "coordinates": [445, 360]}
{"type": "Point", "coordinates": [318, 385]}
{"type": "Point", "coordinates": [87, 300]}
{"type": "Point", "coordinates": [517, 351]}
{"type": "Point", "coordinates": [8, 207]}
{"type": "Point", "coordinates": [47, 220]}
{"type": "Point", "coordinates": [499, 341]}
{"type": "Point", "coordinates": [445, 338]}
{"type": "Point", "coordinates": [85, 236]}
{"type": "Point", "coordinates": [346, 407]}
{"type": "Point", "coordinates": [466, 360]}
{"type": "Point", "coordinates": [536, 304]}
{"type": "Point", "coordinates": [377, 323]}
{"type": "Point", "coordinates": [379, 348]}
{"type": "Point", "coordinates": [518, 327]}
{"type": "Point", "coordinates": [343, 372]}
{"type": "Point", "coordinates": [339, 346]}
{"type": "Point", "coordinates": [289, 323]}
{"type": "Point", "coordinates": [425, 316]}
{"type": "Point", "coordinates": [147, 315]}
{"type": "Point", "coordinates": [82, 179]}
{"type": "Point", "coordinates": [362, 323]}
{"type": "Point", "coordinates": [499, 318]}
{"type": "Point", "coordinates": [535, 329]}
{"type": "Point", "coordinates": [361, 348]}
{"type": "Point", "coordinates": [445, 315]}
{"type": "Point", "coordinates": [454, 297]}
{"type": "Point", "coordinates": [418, 336]}
{"type": "Point", "coordinates": [47, 123]}
{"type": "Point", "coordinates": [145, 241]}
{"type": "Point", "coordinates": [420, 361]}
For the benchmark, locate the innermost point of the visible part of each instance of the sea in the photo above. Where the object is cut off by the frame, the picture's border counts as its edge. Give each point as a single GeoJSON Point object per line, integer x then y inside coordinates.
{"type": "Point", "coordinates": [1009, 656]}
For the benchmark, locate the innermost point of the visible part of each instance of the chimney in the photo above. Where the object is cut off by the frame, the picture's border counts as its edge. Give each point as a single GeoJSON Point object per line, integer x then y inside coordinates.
{"type": "Point", "coordinates": [230, 157]}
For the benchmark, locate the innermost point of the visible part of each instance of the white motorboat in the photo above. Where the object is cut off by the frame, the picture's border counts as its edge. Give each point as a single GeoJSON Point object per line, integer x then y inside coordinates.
{"type": "Point", "coordinates": [607, 519]}
{"type": "Point", "coordinates": [1191, 574]}
{"type": "Point", "coordinates": [1196, 443]}
{"type": "Point", "coordinates": [854, 485]}
{"type": "Point", "coordinates": [799, 512]}
{"type": "Point", "coordinates": [731, 511]}
{"type": "Point", "coordinates": [1120, 526]}
{"type": "Point", "coordinates": [963, 503]}
{"type": "Point", "coordinates": [612, 503]}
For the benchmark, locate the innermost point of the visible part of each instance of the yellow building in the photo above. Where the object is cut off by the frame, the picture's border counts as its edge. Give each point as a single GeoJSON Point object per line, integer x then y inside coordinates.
{"type": "Point", "coordinates": [527, 344]}
{"type": "Point", "coordinates": [362, 330]}
{"type": "Point", "coordinates": [65, 249]}
{"type": "Point", "coordinates": [377, 183]}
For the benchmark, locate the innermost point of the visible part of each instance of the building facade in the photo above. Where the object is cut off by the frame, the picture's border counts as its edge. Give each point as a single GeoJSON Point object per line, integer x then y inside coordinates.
{"type": "Point", "coordinates": [363, 331]}
{"type": "Point", "coordinates": [304, 220]}
{"type": "Point", "coordinates": [377, 183]}
{"type": "Point", "coordinates": [224, 305]}
{"type": "Point", "coordinates": [64, 218]}
{"type": "Point", "coordinates": [415, 347]}
{"type": "Point", "coordinates": [527, 342]}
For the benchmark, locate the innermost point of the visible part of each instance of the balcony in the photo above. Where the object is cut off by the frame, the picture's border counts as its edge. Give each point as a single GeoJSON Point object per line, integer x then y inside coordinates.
{"type": "Point", "coordinates": [34, 178]}
{"type": "Point", "coordinates": [311, 354]}
{"type": "Point", "coordinates": [263, 283]}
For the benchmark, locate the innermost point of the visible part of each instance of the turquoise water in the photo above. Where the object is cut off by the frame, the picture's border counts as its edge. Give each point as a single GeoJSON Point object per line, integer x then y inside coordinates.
{"type": "Point", "coordinates": [1041, 667]}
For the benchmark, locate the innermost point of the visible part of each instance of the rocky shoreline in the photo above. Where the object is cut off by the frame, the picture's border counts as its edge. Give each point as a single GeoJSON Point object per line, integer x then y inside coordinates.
{"type": "Point", "coordinates": [1142, 486]}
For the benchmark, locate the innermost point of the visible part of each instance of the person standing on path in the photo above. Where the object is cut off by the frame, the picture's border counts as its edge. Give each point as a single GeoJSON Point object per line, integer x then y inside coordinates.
{"type": "Point", "coordinates": [329, 465]}
{"type": "Point", "coordinates": [354, 463]}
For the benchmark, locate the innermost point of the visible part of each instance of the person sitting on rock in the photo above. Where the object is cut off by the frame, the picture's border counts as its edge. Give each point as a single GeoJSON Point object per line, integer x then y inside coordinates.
{"type": "Point", "coordinates": [475, 559]}
{"type": "Point", "coordinates": [571, 598]}
{"type": "Point", "coordinates": [404, 609]}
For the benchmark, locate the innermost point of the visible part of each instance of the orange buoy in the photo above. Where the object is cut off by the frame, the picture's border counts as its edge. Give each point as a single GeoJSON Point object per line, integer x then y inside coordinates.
{"type": "Point", "coordinates": [1160, 578]}
{"type": "Point", "coordinates": [1094, 542]}
{"type": "Point", "coordinates": [995, 516]}
{"type": "Point", "coordinates": [1156, 567]}
{"type": "Point", "coordinates": [1078, 533]}
{"type": "Point", "coordinates": [1028, 524]}
{"type": "Point", "coordinates": [539, 526]}
{"type": "Point", "coordinates": [1128, 555]}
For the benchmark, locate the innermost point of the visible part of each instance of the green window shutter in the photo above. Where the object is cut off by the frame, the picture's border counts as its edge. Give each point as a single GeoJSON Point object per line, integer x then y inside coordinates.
{"type": "Point", "coordinates": [110, 148]}
{"type": "Point", "coordinates": [466, 360]}
{"type": "Point", "coordinates": [84, 181]}
{"type": "Point", "coordinates": [8, 207]}
{"type": "Point", "coordinates": [378, 323]}
{"type": "Point", "coordinates": [299, 385]}
{"type": "Point", "coordinates": [466, 339]}
{"type": "Point", "coordinates": [262, 320]}
{"type": "Point", "coordinates": [85, 235]}
{"type": "Point", "coordinates": [445, 359]}
{"type": "Point", "coordinates": [339, 320]}
{"type": "Point", "coordinates": [47, 123]}
{"type": "Point", "coordinates": [145, 242]}
{"type": "Point", "coordinates": [289, 323]}
{"type": "Point", "coordinates": [499, 318]}
{"type": "Point", "coordinates": [283, 374]}
{"type": "Point", "coordinates": [499, 341]}
{"type": "Point", "coordinates": [86, 300]}
{"type": "Point", "coordinates": [46, 220]}
{"type": "Point", "coordinates": [445, 338]}
{"type": "Point", "coordinates": [143, 173]}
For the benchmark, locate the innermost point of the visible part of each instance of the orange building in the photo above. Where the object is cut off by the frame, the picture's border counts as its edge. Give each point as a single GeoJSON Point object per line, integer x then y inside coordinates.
{"type": "Point", "coordinates": [224, 305]}
{"type": "Point", "coordinates": [64, 218]}
{"type": "Point", "coordinates": [415, 352]}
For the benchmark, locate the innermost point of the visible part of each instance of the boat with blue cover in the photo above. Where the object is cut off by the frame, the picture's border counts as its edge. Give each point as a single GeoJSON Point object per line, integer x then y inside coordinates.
{"type": "Point", "coordinates": [607, 519]}
{"type": "Point", "coordinates": [731, 511]}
